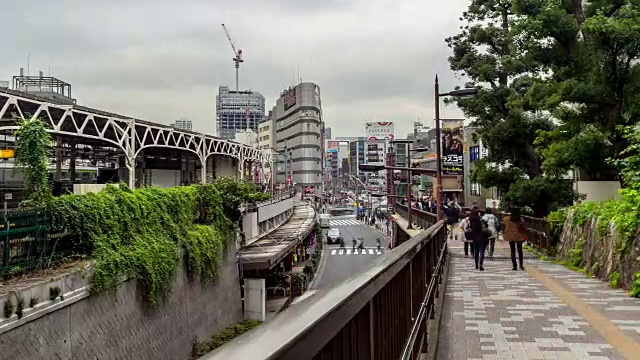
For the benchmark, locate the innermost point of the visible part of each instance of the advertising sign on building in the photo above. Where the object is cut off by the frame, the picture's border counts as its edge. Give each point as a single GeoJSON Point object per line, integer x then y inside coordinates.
{"type": "Point", "coordinates": [452, 147]}
{"type": "Point", "coordinates": [379, 130]}
{"type": "Point", "coordinates": [289, 99]}
{"type": "Point", "coordinates": [333, 145]}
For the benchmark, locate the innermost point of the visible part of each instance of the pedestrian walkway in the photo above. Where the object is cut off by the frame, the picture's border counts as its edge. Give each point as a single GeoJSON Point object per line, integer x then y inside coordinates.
{"type": "Point", "coordinates": [349, 251]}
{"type": "Point", "coordinates": [544, 312]}
{"type": "Point", "coordinates": [344, 222]}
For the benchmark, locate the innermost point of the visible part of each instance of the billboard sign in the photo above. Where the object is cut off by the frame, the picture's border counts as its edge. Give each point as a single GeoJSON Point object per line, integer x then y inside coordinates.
{"type": "Point", "coordinates": [289, 99]}
{"type": "Point", "coordinates": [379, 130]}
{"type": "Point", "coordinates": [452, 147]}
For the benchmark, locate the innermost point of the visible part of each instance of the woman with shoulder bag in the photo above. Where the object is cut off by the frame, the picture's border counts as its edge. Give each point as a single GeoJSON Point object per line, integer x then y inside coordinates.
{"type": "Point", "coordinates": [468, 239]}
{"type": "Point", "coordinates": [514, 233]}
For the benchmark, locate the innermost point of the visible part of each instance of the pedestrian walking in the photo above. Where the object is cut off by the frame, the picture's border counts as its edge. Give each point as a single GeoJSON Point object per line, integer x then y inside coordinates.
{"type": "Point", "coordinates": [479, 232]}
{"type": "Point", "coordinates": [453, 217]}
{"type": "Point", "coordinates": [468, 239]}
{"type": "Point", "coordinates": [514, 233]}
{"type": "Point", "coordinates": [494, 229]}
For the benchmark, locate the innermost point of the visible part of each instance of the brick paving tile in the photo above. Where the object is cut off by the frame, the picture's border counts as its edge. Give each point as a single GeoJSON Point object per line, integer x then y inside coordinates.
{"type": "Point", "coordinates": [506, 314]}
{"type": "Point", "coordinates": [614, 304]}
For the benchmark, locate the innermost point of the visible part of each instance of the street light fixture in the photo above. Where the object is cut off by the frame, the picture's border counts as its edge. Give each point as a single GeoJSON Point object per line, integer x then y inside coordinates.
{"type": "Point", "coordinates": [438, 95]}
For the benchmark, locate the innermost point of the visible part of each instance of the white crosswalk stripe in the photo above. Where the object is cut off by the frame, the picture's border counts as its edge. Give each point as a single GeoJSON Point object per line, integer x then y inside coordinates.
{"type": "Point", "coordinates": [350, 251]}
{"type": "Point", "coordinates": [344, 222]}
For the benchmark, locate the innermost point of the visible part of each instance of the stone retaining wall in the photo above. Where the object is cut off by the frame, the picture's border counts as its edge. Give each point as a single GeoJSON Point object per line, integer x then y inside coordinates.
{"type": "Point", "coordinates": [118, 324]}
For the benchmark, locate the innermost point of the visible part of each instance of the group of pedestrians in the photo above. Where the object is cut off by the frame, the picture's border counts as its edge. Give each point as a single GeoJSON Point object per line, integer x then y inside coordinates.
{"type": "Point", "coordinates": [480, 230]}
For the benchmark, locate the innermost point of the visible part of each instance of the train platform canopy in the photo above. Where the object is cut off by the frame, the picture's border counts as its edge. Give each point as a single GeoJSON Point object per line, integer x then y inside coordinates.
{"type": "Point", "coordinates": [269, 251]}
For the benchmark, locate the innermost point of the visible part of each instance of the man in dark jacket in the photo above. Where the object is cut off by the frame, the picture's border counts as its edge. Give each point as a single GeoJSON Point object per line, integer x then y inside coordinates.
{"type": "Point", "coordinates": [452, 212]}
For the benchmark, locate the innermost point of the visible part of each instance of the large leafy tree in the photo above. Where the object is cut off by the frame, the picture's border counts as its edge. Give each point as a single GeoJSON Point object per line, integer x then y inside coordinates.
{"type": "Point", "coordinates": [491, 52]}
{"type": "Point", "coordinates": [589, 52]}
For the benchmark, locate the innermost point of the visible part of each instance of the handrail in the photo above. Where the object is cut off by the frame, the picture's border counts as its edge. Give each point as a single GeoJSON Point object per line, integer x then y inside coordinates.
{"type": "Point", "coordinates": [426, 306]}
{"type": "Point", "coordinates": [368, 314]}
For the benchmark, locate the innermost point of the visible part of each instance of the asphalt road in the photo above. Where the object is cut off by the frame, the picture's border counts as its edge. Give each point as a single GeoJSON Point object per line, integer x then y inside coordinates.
{"type": "Point", "coordinates": [342, 264]}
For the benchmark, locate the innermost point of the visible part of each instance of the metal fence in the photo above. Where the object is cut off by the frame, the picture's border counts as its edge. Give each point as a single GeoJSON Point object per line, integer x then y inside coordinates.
{"type": "Point", "coordinates": [26, 243]}
{"type": "Point", "coordinates": [382, 313]}
{"type": "Point", "coordinates": [418, 217]}
{"type": "Point", "coordinates": [541, 233]}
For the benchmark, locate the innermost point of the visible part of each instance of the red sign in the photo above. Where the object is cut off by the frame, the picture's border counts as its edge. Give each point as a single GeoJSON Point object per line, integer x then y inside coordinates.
{"type": "Point", "coordinates": [289, 179]}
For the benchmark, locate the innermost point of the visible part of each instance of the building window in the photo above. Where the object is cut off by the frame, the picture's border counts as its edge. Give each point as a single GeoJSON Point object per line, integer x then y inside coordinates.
{"type": "Point", "coordinates": [474, 153]}
{"type": "Point", "coordinates": [475, 189]}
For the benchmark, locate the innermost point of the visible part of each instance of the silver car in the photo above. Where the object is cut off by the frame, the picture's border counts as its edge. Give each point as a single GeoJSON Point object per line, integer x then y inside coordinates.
{"type": "Point", "coordinates": [334, 236]}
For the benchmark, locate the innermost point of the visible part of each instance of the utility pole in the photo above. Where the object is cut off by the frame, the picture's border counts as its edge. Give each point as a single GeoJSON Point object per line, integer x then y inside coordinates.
{"type": "Point", "coordinates": [438, 186]}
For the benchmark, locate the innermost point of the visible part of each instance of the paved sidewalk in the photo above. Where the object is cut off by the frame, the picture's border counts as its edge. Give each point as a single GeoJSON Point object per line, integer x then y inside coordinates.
{"type": "Point", "coordinates": [545, 312]}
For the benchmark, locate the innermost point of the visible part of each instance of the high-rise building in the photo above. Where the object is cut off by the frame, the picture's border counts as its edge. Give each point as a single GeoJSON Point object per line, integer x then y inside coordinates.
{"type": "Point", "coordinates": [237, 110]}
{"type": "Point", "coordinates": [182, 124]}
{"type": "Point", "coordinates": [297, 118]}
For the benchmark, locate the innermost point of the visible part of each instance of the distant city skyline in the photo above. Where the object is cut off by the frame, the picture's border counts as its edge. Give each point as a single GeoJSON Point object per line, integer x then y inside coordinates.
{"type": "Point", "coordinates": [172, 67]}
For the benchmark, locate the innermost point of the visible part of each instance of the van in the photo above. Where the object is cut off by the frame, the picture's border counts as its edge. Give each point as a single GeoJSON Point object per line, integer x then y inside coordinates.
{"type": "Point", "coordinates": [324, 220]}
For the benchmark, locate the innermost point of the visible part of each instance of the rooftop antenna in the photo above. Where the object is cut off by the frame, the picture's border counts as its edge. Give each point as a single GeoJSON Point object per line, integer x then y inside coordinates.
{"type": "Point", "coordinates": [28, 62]}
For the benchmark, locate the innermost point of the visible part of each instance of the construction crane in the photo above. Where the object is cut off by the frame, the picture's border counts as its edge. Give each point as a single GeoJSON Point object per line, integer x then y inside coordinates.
{"type": "Point", "coordinates": [237, 54]}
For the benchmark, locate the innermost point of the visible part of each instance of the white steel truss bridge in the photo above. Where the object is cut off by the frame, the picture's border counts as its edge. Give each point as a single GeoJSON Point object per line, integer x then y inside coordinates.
{"type": "Point", "coordinates": [120, 132]}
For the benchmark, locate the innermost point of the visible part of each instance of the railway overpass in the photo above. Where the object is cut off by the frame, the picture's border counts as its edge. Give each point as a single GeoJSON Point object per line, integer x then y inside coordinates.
{"type": "Point", "coordinates": [130, 143]}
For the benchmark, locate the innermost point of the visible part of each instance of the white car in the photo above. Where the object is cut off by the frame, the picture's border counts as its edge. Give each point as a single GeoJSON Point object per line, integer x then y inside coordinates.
{"type": "Point", "coordinates": [334, 236]}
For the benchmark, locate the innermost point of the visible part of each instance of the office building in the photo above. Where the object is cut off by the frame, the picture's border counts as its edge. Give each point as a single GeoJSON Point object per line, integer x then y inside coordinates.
{"type": "Point", "coordinates": [297, 118]}
{"type": "Point", "coordinates": [182, 124]}
{"type": "Point", "coordinates": [266, 134]}
{"type": "Point", "coordinates": [237, 110]}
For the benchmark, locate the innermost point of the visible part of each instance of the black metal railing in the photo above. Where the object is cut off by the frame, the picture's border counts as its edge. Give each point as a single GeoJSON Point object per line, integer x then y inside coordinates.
{"type": "Point", "coordinates": [379, 314]}
{"type": "Point", "coordinates": [26, 242]}
{"type": "Point", "coordinates": [418, 217]}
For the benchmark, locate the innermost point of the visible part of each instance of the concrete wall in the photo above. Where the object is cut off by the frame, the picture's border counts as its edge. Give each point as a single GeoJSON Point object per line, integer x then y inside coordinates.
{"type": "Point", "coordinates": [224, 167]}
{"type": "Point", "coordinates": [598, 190]}
{"type": "Point", "coordinates": [118, 326]}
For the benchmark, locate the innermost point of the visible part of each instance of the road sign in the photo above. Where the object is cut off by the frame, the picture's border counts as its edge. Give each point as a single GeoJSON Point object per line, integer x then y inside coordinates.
{"type": "Point", "coordinates": [8, 196]}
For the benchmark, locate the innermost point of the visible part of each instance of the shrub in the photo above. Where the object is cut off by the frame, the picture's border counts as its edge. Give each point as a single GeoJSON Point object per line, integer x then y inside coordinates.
{"type": "Point", "coordinates": [227, 334]}
{"type": "Point", "coordinates": [8, 308]}
{"type": "Point", "coordinates": [140, 233]}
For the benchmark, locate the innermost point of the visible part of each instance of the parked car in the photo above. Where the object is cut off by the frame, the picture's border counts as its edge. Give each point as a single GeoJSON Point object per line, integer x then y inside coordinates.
{"type": "Point", "coordinates": [334, 236]}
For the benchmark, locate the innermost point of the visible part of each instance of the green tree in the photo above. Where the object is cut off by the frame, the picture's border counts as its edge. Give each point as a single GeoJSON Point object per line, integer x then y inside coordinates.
{"type": "Point", "coordinates": [32, 142]}
{"type": "Point", "coordinates": [491, 52]}
{"type": "Point", "coordinates": [589, 52]}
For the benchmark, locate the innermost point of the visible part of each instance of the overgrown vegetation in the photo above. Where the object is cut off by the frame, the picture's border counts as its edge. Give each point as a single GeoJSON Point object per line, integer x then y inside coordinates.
{"type": "Point", "coordinates": [200, 348]}
{"type": "Point", "coordinates": [141, 233]}
{"type": "Point", "coordinates": [32, 142]}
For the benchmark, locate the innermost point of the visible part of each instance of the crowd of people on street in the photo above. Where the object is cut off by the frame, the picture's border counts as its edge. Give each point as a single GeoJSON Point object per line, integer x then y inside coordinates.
{"type": "Point", "coordinates": [480, 229]}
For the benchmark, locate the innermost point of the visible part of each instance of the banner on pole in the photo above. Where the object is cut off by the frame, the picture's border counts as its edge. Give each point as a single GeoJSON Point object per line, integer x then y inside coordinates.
{"type": "Point", "coordinates": [452, 147]}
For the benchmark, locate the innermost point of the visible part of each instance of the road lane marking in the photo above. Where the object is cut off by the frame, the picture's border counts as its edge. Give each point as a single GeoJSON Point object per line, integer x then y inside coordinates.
{"type": "Point", "coordinates": [333, 252]}
{"type": "Point", "coordinates": [340, 252]}
{"type": "Point", "coordinates": [348, 251]}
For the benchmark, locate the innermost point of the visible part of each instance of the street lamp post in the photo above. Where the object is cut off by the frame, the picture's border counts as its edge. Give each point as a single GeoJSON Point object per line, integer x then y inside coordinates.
{"type": "Point", "coordinates": [438, 95]}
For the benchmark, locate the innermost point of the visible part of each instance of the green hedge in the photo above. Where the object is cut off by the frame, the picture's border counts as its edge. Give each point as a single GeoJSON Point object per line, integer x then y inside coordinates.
{"type": "Point", "coordinates": [141, 233]}
{"type": "Point", "coordinates": [227, 334]}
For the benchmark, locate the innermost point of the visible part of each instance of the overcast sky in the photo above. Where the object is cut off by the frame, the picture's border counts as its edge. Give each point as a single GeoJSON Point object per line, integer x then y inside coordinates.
{"type": "Point", "coordinates": [161, 60]}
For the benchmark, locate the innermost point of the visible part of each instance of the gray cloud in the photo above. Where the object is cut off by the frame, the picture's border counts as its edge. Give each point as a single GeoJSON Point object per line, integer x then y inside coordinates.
{"type": "Point", "coordinates": [161, 60]}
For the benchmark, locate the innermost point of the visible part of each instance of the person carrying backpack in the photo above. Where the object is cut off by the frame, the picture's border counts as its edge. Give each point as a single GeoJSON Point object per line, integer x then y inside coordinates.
{"type": "Point", "coordinates": [494, 228]}
{"type": "Point", "coordinates": [479, 232]}
{"type": "Point", "coordinates": [452, 213]}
